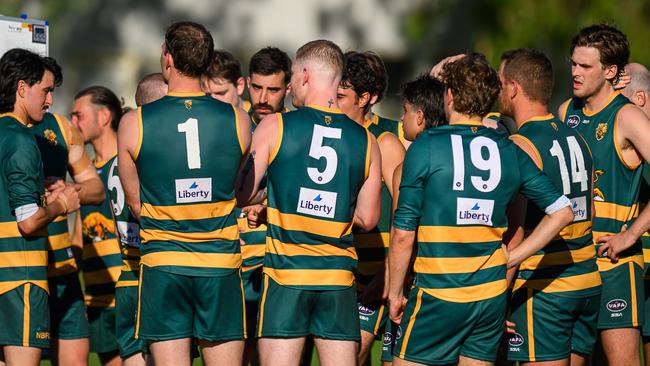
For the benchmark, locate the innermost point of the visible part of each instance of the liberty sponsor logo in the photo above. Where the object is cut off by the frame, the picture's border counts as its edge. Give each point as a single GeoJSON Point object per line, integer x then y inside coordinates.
{"type": "Point", "coordinates": [616, 306]}
{"type": "Point", "coordinates": [515, 341]}
{"type": "Point", "coordinates": [129, 233]}
{"type": "Point", "coordinates": [317, 203]}
{"type": "Point", "coordinates": [573, 121]}
{"type": "Point", "coordinates": [470, 211]}
{"type": "Point", "coordinates": [193, 190]}
{"type": "Point", "coordinates": [579, 206]}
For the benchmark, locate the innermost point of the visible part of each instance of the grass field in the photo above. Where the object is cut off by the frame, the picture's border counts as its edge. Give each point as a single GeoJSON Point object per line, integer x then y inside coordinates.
{"type": "Point", "coordinates": [376, 358]}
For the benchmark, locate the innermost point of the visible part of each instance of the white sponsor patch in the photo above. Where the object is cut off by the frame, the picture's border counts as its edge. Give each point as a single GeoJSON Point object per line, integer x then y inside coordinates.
{"type": "Point", "coordinates": [128, 233]}
{"type": "Point", "coordinates": [317, 203]}
{"type": "Point", "coordinates": [193, 190]}
{"type": "Point", "coordinates": [472, 211]}
{"type": "Point", "coordinates": [579, 206]}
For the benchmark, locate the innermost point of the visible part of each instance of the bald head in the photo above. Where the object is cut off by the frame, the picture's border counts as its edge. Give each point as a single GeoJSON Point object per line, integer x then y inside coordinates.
{"type": "Point", "coordinates": [151, 88]}
{"type": "Point", "coordinates": [638, 91]}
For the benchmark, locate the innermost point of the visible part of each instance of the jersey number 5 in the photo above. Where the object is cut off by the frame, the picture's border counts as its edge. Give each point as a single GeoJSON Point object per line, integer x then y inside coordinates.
{"type": "Point", "coordinates": [114, 184]}
{"type": "Point", "coordinates": [491, 164]}
{"type": "Point", "coordinates": [317, 150]}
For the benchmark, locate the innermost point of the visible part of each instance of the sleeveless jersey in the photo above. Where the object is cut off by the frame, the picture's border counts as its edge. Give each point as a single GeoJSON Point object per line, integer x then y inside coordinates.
{"type": "Point", "coordinates": [187, 161]}
{"type": "Point", "coordinates": [644, 197]}
{"type": "Point", "coordinates": [372, 246]}
{"type": "Point", "coordinates": [616, 185]}
{"type": "Point", "coordinates": [22, 259]}
{"type": "Point", "coordinates": [53, 144]}
{"type": "Point", "coordinates": [127, 229]}
{"type": "Point", "coordinates": [320, 162]}
{"type": "Point", "coordinates": [567, 265]}
{"type": "Point", "coordinates": [101, 251]}
{"type": "Point", "coordinates": [456, 186]}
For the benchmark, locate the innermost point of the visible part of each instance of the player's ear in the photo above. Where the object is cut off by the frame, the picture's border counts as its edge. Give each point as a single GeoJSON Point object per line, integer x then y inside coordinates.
{"type": "Point", "coordinates": [364, 99]}
{"type": "Point", "coordinates": [610, 72]}
{"type": "Point", "coordinates": [420, 118]}
{"type": "Point", "coordinates": [513, 88]}
{"type": "Point", "coordinates": [641, 98]}
{"type": "Point", "coordinates": [241, 84]}
{"type": "Point", "coordinates": [22, 87]}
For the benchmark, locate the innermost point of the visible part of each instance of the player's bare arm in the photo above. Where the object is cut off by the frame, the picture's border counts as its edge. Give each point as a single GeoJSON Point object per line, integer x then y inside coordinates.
{"type": "Point", "coordinates": [392, 154]}
{"type": "Point", "coordinates": [64, 202]}
{"type": "Point", "coordinates": [633, 138]}
{"type": "Point", "coordinates": [81, 168]}
{"type": "Point", "coordinates": [127, 145]}
{"type": "Point", "coordinates": [399, 259]}
{"type": "Point", "coordinates": [366, 214]}
{"type": "Point", "coordinates": [247, 189]}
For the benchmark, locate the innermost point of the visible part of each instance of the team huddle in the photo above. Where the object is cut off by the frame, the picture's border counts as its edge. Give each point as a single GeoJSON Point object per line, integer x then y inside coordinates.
{"type": "Point", "coordinates": [251, 232]}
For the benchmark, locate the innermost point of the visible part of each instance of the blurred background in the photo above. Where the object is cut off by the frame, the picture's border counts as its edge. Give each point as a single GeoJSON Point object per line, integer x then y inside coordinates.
{"type": "Point", "coordinates": [115, 43]}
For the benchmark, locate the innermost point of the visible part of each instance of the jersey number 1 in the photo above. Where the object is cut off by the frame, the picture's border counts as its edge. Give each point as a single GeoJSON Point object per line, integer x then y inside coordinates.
{"type": "Point", "coordinates": [578, 172]}
{"type": "Point", "coordinates": [191, 130]}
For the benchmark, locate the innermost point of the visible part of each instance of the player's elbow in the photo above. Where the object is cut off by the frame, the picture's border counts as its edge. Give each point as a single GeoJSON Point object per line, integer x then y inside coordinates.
{"type": "Point", "coordinates": [96, 194]}
{"type": "Point", "coordinates": [28, 227]}
{"type": "Point", "coordinates": [564, 215]}
{"type": "Point", "coordinates": [366, 220]}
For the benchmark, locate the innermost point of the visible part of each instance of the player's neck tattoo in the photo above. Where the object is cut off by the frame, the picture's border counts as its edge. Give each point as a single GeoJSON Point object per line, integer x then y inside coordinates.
{"type": "Point", "coordinates": [330, 102]}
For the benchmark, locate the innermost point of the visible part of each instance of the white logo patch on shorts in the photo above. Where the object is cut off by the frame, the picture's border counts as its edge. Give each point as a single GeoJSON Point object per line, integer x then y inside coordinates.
{"type": "Point", "coordinates": [472, 211]}
{"type": "Point", "coordinates": [193, 190]}
{"type": "Point", "coordinates": [316, 202]}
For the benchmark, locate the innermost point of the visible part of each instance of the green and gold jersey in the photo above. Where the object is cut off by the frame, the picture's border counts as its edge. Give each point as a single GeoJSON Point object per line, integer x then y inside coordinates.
{"type": "Point", "coordinates": [22, 259]}
{"type": "Point", "coordinates": [567, 265]}
{"type": "Point", "coordinates": [372, 246]}
{"type": "Point", "coordinates": [456, 186]}
{"type": "Point", "coordinates": [188, 158]}
{"type": "Point", "coordinates": [53, 144]}
{"type": "Point", "coordinates": [616, 185]}
{"type": "Point", "coordinates": [320, 162]}
{"type": "Point", "coordinates": [101, 250]}
{"type": "Point", "coordinates": [127, 229]}
{"type": "Point", "coordinates": [644, 198]}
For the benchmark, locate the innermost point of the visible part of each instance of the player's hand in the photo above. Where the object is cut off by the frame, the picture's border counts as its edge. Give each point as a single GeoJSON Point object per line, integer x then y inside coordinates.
{"type": "Point", "coordinates": [69, 198]}
{"type": "Point", "coordinates": [613, 245]}
{"type": "Point", "coordinates": [256, 215]}
{"type": "Point", "coordinates": [396, 306]}
{"type": "Point", "coordinates": [436, 71]}
{"type": "Point", "coordinates": [510, 327]}
{"type": "Point", "coordinates": [623, 80]}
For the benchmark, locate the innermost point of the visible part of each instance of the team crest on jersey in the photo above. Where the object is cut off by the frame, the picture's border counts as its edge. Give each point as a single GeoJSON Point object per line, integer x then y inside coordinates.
{"type": "Point", "coordinates": [554, 125]}
{"type": "Point", "coordinates": [573, 121]}
{"type": "Point", "coordinates": [597, 174]}
{"type": "Point", "coordinates": [474, 129]}
{"type": "Point", "coordinates": [601, 130]}
{"type": "Point", "coordinates": [328, 120]}
{"type": "Point", "coordinates": [598, 195]}
{"type": "Point", "coordinates": [97, 227]}
{"type": "Point", "coordinates": [50, 136]}
{"type": "Point", "coordinates": [188, 104]}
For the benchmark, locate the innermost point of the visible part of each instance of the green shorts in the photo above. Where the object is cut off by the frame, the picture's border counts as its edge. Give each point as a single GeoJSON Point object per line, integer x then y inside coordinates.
{"type": "Point", "coordinates": [252, 284]}
{"type": "Point", "coordinates": [646, 311]}
{"type": "Point", "coordinates": [388, 341]}
{"type": "Point", "coordinates": [101, 322]}
{"type": "Point", "coordinates": [67, 308]}
{"type": "Point", "coordinates": [126, 304]}
{"type": "Point", "coordinates": [373, 319]}
{"type": "Point", "coordinates": [174, 306]}
{"type": "Point", "coordinates": [289, 312]}
{"type": "Point", "coordinates": [549, 327]}
{"type": "Point", "coordinates": [622, 297]}
{"type": "Point", "coordinates": [25, 317]}
{"type": "Point", "coordinates": [434, 331]}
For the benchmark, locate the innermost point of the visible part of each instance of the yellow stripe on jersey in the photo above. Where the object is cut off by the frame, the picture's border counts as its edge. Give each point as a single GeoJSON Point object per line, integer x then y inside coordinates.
{"type": "Point", "coordinates": [605, 264]}
{"type": "Point", "coordinates": [28, 258]}
{"type": "Point", "coordinates": [290, 222]}
{"type": "Point", "coordinates": [101, 248]}
{"type": "Point", "coordinates": [576, 230]}
{"type": "Point", "coordinates": [102, 276]}
{"type": "Point", "coordinates": [635, 311]}
{"type": "Point", "coordinates": [6, 286]}
{"type": "Point", "coordinates": [59, 241]}
{"type": "Point", "coordinates": [368, 154]}
{"type": "Point", "coordinates": [130, 265]}
{"type": "Point", "coordinates": [561, 284]}
{"type": "Point", "coordinates": [608, 210]}
{"type": "Point", "coordinates": [192, 259]}
{"type": "Point", "coordinates": [10, 230]}
{"type": "Point", "coordinates": [253, 250]}
{"type": "Point", "coordinates": [130, 283]}
{"type": "Point", "coordinates": [188, 212]}
{"type": "Point", "coordinates": [138, 146]}
{"type": "Point", "coordinates": [480, 292]}
{"type": "Point", "coordinates": [529, 324]}
{"type": "Point", "coordinates": [62, 267]}
{"type": "Point", "coordinates": [371, 240]}
{"type": "Point", "coordinates": [562, 258]}
{"type": "Point", "coordinates": [278, 139]}
{"type": "Point", "coordinates": [26, 313]}
{"type": "Point", "coordinates": [411, 323]}
{"type": "Point", "coordinates": [437, 265]}
{"type": "Point", "coordinates": [100, 301]}
{"type": "Point", "coordinates": [275, 246]}
{"type": "Point", "coordinates": [459, 234]}
{"type": "Point", "coordinates": [311, 277]}
{"type": "Point", "coordinates": [227, 233]}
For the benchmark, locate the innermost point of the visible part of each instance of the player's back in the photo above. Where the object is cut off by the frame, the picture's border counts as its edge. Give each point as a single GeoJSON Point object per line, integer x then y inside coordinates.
{"type": "Point", "coordinates": [567, 265]}
{"type": "Point", "coordinates": [467, 174]}
{"type": "Point", "coordinates": [314, 177]}
{"type": "Point", "coordinates": [187, 161]}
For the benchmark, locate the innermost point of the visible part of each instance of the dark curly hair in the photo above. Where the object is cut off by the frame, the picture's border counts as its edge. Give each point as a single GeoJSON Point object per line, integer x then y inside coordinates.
{"type": "Point", "coordinates": [102, 96]}
{"type": "Point", "coordinates": [473, 83]}
{"type": "Point", "coordinates": [225, 66]}
{"type": "Point", "coordinates": [427, 94]}
{"type": "Point", "coordinates": [20, 64]}
{"type": "Point", "coordinates": [270, 60]}
{"type": "Point", "coordinates": [610, 42]}
{"type": "Point", "coordinates": [191, 47]}
{"type": "Point", "coordinates": [359, 75]}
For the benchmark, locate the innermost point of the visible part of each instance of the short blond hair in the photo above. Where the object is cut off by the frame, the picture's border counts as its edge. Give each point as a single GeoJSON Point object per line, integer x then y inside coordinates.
{"type": "Point", "coordinates": [323, 52]}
